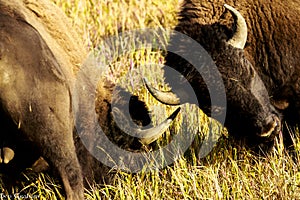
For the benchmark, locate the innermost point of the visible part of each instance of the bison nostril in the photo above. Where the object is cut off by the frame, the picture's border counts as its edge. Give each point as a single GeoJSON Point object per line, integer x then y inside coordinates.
{"type": "Point", "coordinates": [272, 126]}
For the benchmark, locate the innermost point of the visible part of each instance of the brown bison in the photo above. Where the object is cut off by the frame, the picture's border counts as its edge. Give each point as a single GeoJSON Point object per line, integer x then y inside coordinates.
{"type": "Point", "coordinates": [254, 46]}
{"type": "Point", "coordinates": [39, 55]}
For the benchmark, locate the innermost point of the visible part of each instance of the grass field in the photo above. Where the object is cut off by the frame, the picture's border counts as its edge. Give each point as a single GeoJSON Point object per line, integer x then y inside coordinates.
{"type": "Point", "coordinates": [228, 172]}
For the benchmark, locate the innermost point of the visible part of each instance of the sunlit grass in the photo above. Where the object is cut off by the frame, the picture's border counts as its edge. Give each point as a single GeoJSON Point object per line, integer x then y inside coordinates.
{"type": "Point", "coordinates": [227, 172]}
{"type": "Point", "coordinates": [98, 19]}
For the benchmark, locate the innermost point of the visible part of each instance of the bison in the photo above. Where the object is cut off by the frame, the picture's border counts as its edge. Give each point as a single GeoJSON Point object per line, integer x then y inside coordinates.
{"type": "Point", "coordinates": [39, 55]}
{"type": "Point", "coordinates": [254, 46]}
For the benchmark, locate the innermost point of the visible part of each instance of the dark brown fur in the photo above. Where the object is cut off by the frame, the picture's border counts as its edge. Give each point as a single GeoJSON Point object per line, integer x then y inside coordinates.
{"type": "Point", "coordinates": [271, 53]}
{"type": "Point", "coordinates": [273, 36]}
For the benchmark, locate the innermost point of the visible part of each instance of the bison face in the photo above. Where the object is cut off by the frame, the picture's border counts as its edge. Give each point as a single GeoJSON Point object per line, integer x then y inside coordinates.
{"type": "Point", "coordinates": [249, 114]}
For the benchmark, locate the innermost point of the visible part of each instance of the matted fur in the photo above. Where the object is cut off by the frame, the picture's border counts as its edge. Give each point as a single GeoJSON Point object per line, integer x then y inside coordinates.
{"type": "Point", "coordinates": [54, 27]}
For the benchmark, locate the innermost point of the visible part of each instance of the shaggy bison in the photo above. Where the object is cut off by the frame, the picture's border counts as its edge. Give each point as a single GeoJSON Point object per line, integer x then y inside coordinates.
{"type": "Point", "coordinates": [39, 53]}
{"type": "Point", "coordinates": [259, 65]}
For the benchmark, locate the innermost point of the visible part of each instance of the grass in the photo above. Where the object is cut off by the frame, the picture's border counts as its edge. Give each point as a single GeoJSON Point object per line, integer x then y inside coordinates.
{"type": "Point", "coordinates": [228, 172]}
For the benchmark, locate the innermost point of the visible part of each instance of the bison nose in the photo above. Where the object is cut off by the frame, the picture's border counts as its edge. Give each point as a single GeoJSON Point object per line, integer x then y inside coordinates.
{"type": "Point", "coordinates": [271, 127]}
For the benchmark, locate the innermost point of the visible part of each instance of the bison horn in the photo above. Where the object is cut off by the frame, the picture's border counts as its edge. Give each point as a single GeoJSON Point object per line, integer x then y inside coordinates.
{"type": "Point", "coordinates": [7, 155]}
{"type": "Point", "coordinates": [239, 38]}
{"type": "Point", "coordinates": [146, 136]}
{"type": "Point", "coordinates": [165, 97]}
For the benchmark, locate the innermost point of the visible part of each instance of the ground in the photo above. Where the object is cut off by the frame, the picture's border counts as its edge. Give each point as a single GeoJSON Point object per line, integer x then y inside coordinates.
{"type": "Point", "coordinates": [228, 172]}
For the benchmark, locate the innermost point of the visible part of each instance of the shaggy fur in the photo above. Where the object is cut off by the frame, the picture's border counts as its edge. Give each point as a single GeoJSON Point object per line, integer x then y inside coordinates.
{"type": "Point", "coordinates": [271, 53]}
{"type": "Point", "coordinates": [39, 57]}
{"type": "Point", "coordinates": [35, 95]}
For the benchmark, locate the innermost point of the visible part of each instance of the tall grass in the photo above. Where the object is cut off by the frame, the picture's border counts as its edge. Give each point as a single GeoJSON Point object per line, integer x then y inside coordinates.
{"type": "Point", "coordinates": [228, 172]}
{"type": "Point", "coordinates": [98, 19]}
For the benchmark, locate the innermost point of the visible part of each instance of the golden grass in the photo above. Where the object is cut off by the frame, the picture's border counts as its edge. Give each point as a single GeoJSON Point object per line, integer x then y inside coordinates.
{"type": "Point", "coordinates": [98, 19]}
{"type": "Point", "coordinates": [228, 172]}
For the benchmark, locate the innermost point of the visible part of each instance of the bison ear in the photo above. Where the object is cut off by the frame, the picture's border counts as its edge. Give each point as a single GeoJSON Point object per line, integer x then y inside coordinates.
{"type": "Point", "coordinates": [281, 104]}
{"type": "Point", "coordinates": [40, 165]}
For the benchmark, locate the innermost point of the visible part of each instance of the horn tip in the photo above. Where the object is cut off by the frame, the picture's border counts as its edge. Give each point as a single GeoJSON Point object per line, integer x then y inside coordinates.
{"type": "Point", "coordinates": [174, 114]}
{"type": "Point", "coordinates": [227, 6]}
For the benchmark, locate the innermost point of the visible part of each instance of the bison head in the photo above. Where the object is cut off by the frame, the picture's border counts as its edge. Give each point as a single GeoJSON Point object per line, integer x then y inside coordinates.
{"type": "Point", "coordinates": [249, 114]}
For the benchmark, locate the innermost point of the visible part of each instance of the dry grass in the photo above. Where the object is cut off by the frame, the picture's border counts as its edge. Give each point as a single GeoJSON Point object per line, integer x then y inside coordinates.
{"type": "Point", "coordinates": [228, 172]}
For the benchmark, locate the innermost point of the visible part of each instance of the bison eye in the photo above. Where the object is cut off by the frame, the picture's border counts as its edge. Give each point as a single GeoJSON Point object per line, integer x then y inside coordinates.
{"type": "Point", "coordinates": [217, 110]}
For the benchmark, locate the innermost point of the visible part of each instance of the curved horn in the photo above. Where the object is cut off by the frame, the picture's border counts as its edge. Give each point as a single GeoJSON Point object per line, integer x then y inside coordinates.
{"type": "Point", "coordinates": [7, 155]}
{"type": "Point", "coordinates": [167, 97]}
{"type": "Point", "coordinates": [239, 38]}
{"type": "Point", "coordinates": [146, 136]}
